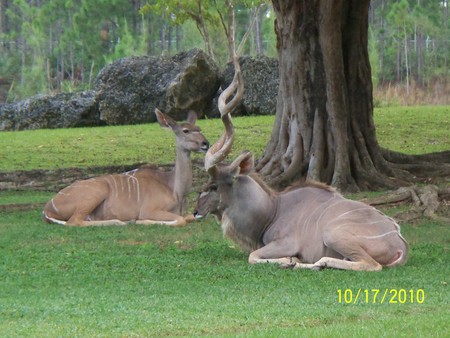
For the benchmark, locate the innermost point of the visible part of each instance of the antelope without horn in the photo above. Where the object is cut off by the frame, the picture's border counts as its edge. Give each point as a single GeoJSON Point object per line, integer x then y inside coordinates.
{"type": "Point", "coordinates": [310, 227]}
{"type": "Point", "coordinates": [142, 196]}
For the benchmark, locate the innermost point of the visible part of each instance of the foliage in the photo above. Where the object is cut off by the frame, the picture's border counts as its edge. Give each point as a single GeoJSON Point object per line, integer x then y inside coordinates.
{"type": "Point", "coordinates": [202, 13]}
{"type": "Point", "coordinates": [71, 37]}
{"type": "Point", "coordinates": [374, 58]}
{"type": "Point", "coordinates": [411, 37]}
{"type": "Point", "coordinates": [128, 44]}
{"type": "Point", "coordinates": [56, 45]}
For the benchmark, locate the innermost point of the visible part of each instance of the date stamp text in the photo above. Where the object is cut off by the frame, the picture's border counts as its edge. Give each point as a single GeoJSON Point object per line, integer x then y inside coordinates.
{"type": "Point", "coordinates": [380, 296]}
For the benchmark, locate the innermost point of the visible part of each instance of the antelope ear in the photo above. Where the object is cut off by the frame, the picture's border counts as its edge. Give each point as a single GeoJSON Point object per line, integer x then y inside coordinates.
{"type": "Point", "coordinates": [192, 117]}
{"type": "Point", "coordinates": [247, 164]}
{"type": "Point", "coordinates": [243, 164]}
{"type": "Point", "coordinates": [213, 172]}
{"type": "Point", "coordinates": [164, 120]}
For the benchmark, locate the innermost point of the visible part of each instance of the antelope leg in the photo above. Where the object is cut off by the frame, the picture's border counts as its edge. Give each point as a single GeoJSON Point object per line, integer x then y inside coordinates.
{"type": "Point", "coordinates": [162, 217]}
{"type": "Point", "coordinates": [355, 256]}
{"type": "Point", "coordinates": [274, 252]}
{"type": "Point", "coordinates": [330, 262]}
{"type": "Point", "coordinates": [83, 209]}
{"type": "Point", "coordinates": [105, 222]}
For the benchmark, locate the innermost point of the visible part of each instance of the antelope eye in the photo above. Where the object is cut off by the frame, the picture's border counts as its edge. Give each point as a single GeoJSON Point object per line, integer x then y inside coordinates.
{"type": "Point", "coordinates": [185, 130]}
{"type": "Point", "coordinates": [213, 187]}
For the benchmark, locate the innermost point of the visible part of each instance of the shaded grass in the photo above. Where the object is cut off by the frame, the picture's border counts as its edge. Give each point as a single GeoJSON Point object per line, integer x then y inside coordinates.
{"type": "Point", "coordinates": [159, 281]}
{"type": "Point", "coordinates": [412, 130]}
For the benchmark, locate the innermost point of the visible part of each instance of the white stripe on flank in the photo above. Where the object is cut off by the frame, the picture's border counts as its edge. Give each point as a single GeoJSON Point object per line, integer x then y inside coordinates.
{"type": "Point", "coordinates": [326, 208]}
{"type": "Point", "coordinates": [378, 236]}
{"type": "Point", "coordinates": [54, 206]}
{"type": "Point", "coordinates": [114, 184]}
{"type": "Point", "coordinates": [308, 220]}
{"type": "Point", "coordinates": [338, 226]}
{"type": "Point", "coordinates": [347, 212]}
{"type": "Point", "coordinates": [136, 181]}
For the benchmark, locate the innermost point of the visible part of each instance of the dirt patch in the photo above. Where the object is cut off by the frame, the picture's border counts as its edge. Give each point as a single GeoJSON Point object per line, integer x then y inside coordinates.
{"type": "Point", "coordinates": [21, 206]}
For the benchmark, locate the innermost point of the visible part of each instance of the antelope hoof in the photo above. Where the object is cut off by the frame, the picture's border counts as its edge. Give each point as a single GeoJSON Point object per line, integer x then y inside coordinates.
{"type": "Point", "coordinates": [291, 264]}
{"type": "Point", "coordinates": [190, 218]}
{"type": "Point", "coordinates": [318, 267]}
{"type": "Point", "coordinates": [131, 221]}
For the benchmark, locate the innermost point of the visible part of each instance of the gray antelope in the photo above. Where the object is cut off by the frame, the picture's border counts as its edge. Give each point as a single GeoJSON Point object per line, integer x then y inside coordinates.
{"type": "Point", "coordinates": [310, 227]}
{"type": "Point", "coordinates": [142, 196]}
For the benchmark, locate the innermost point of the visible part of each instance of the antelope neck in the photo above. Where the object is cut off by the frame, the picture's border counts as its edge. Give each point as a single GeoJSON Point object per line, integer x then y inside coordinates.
{"type": "Point", "coordinates": [259, 213]}
{"type": "Point", "coordinates": [183, 173]}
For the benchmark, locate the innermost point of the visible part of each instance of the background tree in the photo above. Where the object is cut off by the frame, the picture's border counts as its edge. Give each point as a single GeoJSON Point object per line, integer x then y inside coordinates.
{"type": "Point", "coordinates": [64, 42]}
{"type": "Point", "coordinates": [67, 42]}
{"type": "Point", "coordinates": [178, 12]}
{"type": "Point", "coordinates": [324, 127]}
{"type": "Point", "coordinates": [400, 20]}
{"type": "Point", "coordinates": [206, 16]}
{"type": "Point", "coordinates": [54, 45]}
{"type": "Point", "coordinates": [410, 35]}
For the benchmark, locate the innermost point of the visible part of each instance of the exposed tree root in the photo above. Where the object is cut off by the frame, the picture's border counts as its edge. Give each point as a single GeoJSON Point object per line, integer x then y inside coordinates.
{"type": "Point", "coordinates": [396, 157]}
{"type": "Point", "coordinates": [427, 201]}
{"type": "Point", "coordinates": [397, 170]}
{"type": "Point", "coordinates": [420, 166]}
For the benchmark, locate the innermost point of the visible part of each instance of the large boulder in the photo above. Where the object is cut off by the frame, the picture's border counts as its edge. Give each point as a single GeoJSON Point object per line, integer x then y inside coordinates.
{"type": "Point", "coordinates": [62, 110]}
{"type": "Point", "coordinates": [129, 90]}
{"type": "Point", "coordinates": [261, 82]}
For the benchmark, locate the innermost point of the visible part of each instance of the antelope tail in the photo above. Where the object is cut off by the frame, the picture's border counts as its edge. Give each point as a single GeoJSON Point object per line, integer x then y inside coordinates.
{"type": "Point", "coordinates": [400, 258]}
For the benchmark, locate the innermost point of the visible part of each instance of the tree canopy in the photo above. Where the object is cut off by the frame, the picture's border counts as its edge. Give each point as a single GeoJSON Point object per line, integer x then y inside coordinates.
{"type": "Point", "coordinates": [54, 45]}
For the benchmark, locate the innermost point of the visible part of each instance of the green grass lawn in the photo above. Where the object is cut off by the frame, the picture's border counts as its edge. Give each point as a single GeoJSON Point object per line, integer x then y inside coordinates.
{"type": "Point", "coordinates": [157, 281]}
{"type": "Point", "coordinates": [147, 281]}
{"type": "Point", "coordinates": [116, 145]}
{"type": "Point", "coordinates": [413, 130]}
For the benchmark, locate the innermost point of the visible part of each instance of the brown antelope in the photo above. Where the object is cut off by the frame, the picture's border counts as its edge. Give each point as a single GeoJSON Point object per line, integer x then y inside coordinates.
{"type": "Point", "coordinates": [142, 196]}
{"type": "Point", "coordinates": [309, 227]}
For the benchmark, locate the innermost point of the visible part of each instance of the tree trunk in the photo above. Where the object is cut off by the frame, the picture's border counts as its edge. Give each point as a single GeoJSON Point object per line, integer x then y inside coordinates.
{"type": "Point", "coordinates": [178, 37]}
{"type": "Point", "coordinates": [257, 31]}
{"type": "Point", "coordinates": [169, 38]}
{"type": "Point", "coordinates": [324, 127]}
{"type": "Point", "coordinates": [163, 36]}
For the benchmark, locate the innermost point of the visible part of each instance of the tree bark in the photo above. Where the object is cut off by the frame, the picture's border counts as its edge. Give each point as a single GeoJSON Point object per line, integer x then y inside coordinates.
{"type": "Point", "coordinates": [324, 128]}
{"type": "Point", "coordinates": [258, 38]}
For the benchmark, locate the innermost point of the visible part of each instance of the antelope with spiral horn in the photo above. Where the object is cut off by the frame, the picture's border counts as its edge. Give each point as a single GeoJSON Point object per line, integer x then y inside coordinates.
{"type": "Point", "coordinates": [311, 226]}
